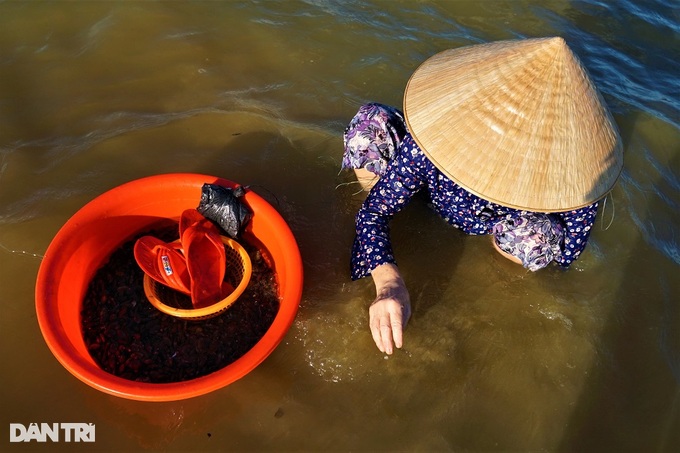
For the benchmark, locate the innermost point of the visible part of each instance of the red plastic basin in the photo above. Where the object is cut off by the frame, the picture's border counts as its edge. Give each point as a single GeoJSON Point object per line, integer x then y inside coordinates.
{"type": "Point", "coordinates": [88, 238]}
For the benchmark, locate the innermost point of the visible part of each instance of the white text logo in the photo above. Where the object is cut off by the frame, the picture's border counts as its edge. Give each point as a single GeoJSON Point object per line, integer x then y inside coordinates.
{"type": "Point", "coordinates": [55, 432]}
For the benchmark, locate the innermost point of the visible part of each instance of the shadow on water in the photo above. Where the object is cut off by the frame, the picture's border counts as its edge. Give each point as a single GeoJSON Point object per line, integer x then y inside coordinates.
{"type": "Point", "coordinates": [631, 399]}
{"type": "Point", "coordinates": [298, 180]}
{"type": "Point", "coordinates": [427, 250]}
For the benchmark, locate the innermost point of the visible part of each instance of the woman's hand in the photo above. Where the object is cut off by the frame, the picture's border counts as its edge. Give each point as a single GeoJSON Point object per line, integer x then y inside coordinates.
{"type": "Point", "coordinates": [390, 311]}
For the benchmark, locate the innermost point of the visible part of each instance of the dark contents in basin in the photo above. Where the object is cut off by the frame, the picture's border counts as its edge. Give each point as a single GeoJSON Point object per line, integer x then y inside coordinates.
{"type": "Point", "coordinates": [128, 337]}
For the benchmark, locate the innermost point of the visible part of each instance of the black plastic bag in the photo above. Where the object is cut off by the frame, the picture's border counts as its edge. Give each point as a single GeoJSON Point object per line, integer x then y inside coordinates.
{"type": "Point", "coordinates": [224, 207]}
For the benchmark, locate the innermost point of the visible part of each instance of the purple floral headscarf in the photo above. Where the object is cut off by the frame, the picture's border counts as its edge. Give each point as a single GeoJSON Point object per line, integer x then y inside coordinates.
{"type": "Point", "coordinates": [372, 138]}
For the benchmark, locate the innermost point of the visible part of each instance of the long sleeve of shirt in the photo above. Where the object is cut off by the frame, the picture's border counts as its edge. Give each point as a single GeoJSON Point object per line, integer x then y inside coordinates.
{"type": "Point", "coordinates": [577, 227]}
{"type": "Point", "coordinates": [372, 246]}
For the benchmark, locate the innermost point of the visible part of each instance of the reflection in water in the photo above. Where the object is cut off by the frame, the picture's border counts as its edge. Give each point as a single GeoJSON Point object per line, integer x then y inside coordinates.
{"type": "Point", "coordinates": [495, 358]}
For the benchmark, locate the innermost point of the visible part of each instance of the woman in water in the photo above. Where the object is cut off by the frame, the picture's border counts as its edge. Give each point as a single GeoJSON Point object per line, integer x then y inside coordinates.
{"type": "Point", "coordinates": [509, 139]}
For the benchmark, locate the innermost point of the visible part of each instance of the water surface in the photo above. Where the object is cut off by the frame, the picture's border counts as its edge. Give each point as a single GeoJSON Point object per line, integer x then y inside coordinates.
{"type": "Point", "coordinates": [95, 94]}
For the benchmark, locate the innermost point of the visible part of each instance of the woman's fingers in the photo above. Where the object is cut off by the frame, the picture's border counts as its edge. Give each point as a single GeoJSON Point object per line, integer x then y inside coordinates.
{"type": "Point", "coordinates": [375, 332]}
{"type": "Point", "coordinates": [386, 337]}
{"type": "Point", "coordinates": [386, 323]}
{"type": "Point", "coordinates": [397, 329]}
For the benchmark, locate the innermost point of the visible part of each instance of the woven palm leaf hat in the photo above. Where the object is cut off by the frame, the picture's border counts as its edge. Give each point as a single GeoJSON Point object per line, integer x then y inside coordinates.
{"type": "Point", "coordinates": [518, 123]}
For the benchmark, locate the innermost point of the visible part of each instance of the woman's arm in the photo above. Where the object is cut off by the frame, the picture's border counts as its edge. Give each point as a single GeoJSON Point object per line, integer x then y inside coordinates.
{"type": "Point", "coordinates": [392, 192]}
{"type": "Point", "coordinates": [372, 249]}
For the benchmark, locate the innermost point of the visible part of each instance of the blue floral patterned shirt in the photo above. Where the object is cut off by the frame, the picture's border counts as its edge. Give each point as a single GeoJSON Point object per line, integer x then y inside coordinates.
{"type": "Point", "coordinates": [410, 172]}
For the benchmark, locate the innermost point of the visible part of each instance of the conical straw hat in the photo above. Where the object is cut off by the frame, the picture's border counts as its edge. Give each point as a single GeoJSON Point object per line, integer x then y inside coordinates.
{"type": "Point", "coordinates": [518, 123]}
